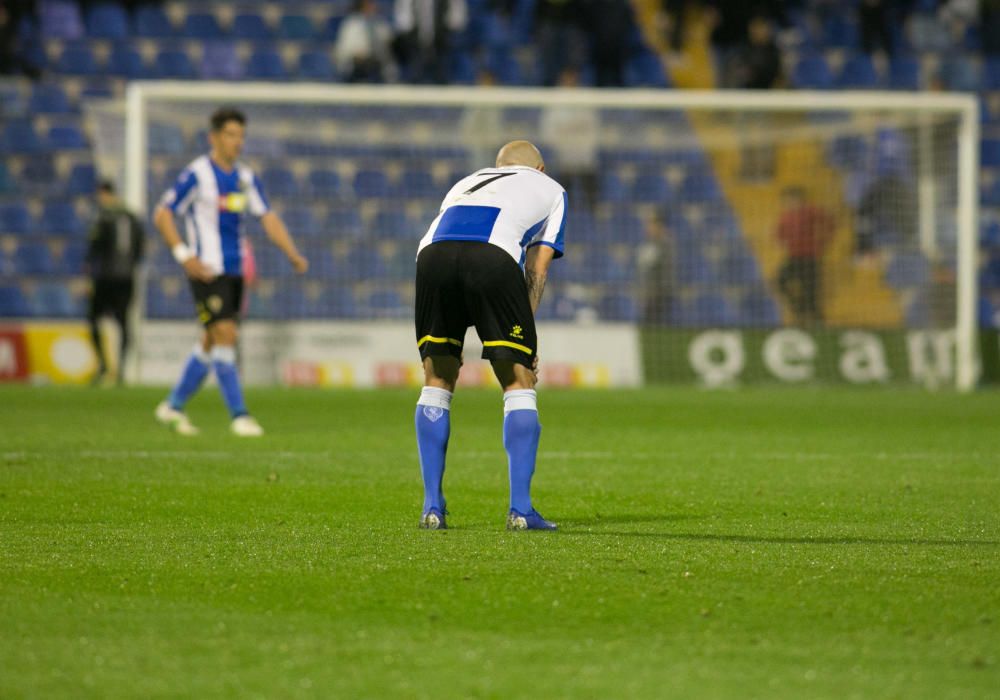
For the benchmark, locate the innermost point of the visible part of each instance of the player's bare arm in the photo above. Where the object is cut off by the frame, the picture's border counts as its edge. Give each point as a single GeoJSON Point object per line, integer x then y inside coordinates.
{"type": "Point", "coordinates": [163, 219]}
{"type": "Point", "coordinates": [278, 234]}
{"type": "Point", "coordinates": [536, 269]}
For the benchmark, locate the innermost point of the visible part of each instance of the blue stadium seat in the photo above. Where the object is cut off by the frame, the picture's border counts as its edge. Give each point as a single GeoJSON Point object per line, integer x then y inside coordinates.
{"type": "Point", "coordinates": [324, 183]}
{"type": "Point", "coordinates": [613, 188]}
{"type": "Point", "coordinates": [812, 72]}
{"type": "Point", "coordinates": [7, 184]}
{"type": "Point", "coordinates": [582, 227]}
{"type": "Point", "coordinates": [387, 303]}
{"type": "Point", "coordinates": [989, 195]}
{"type": "Point", "coordinates": [418, 184]}
{"type": "Point", "coordinates": [166, 139]}
{"type": "Point", "coordinates": [391, 223]}
{"type": "Point", "coordinates": [700, 186]}
{"type": "Point", "coordinates": [174, 64]}
{"type": "Point", "coordinates": [53, 300]}
{"type": "Point", "coordinates": [13, 302]}
{"type": "Point", "coordinates": [151, 22]}
{"type": "Point", "coordinates": [301, 222]}
{"type": "Point", "coordinates": [50, 98]}
{"type": "Point", "coordinates": [759, 310]}
{"type": "Point", "coordinates": [220, 61]}
{"type": "Point", "coordinates": [989, 153]}
{"type": "Point", "coordinates": [19, 137]}
{"type": "Point", "coordinates": [59, 218]}
{"type": "Point", "coordinates": [344, 223]}
{"type": "Point", "coordinates": [991, 73]}
{"type": "Point", "coordinates": [740, 269]}
{"type": "Point", "coordinates": [370, 184]}
{"type": "Point", "coordinates": [82, 180]}
{"type": "Point", "coordinates": [60, 19]}
{"type": "Point", "coordinates": [39, 175]}
{"type": "Point", "coordinates": [645, 69]}
{"type": "Point", "coordinates": [125, 61]}
{"type": "Point", "coordinates": [708, 310]}
{"type": "Point", "coordinates": [617, 307]}
{"type": "Point", "coordinates": [202, 26]}
{"type": "Point", "coordinates": [331, 28]}
{"type": "Point", "coordinates": [989, 235]}
{"type": "Point", "coordinates": [904, 73]}
{"type": "Point", "coordinates": [847, 152]}
{"type": "Point", "coordinates": [961, 73]}
{"type": "Point", "coordinates": [251, 27]}
{"type": "Point", "coordinates": [15, 218]}
{"type": "Point", "coordinates": [651, 187]}
{"type": "Point", "coordinates": [695, 269]}
{"type": "Point", "coordinates": [840, 32]}
{"type": "Point", "coordinates": [71, 260]}
{"type": "Point", "coordinates": [66, 138]}
{"type": "Point", "coordinates": [168, 301]}
{"type": "Point", "coordinates": [33, 258]}
{"type": "Point", "coordinates": [908, 270]}
{"type": "Point", "coordinates": [279, 182]}
{"type": "Point", "coordinates": [76, 60]}
{"type": "Point", "coordinates": [266, 64]}
{"type": "Point", "coordinates": [858, 72]}
{"type": "Point", "coordinates": [295, 28]}
{"type": "Point", "coordinates": [316, 65]}
{"type": "Point", "coordinates": [364, 263]}
{"type": "Point", "coordinates": [107, 20]}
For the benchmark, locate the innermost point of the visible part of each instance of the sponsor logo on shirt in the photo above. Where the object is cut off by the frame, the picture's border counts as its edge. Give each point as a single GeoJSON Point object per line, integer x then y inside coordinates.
{"type": "Point", "coordinates": [235, 202]}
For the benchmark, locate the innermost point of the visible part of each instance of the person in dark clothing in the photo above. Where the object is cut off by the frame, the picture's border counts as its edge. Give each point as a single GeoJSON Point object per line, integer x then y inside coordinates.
{"type": "Point", "coordinates": [656, 261]}
{"type": "Point", "coordinates": [116, 247]}
{"type": "Point", "coordinates": [804, 230]}
{"type": "Point", "coordinates": [425, 33]}
{"type": "Point", "coordinates": [12, 59]}
{"type": "Point", "coordinates": [559, 38]}
{"type": "Point", "coordinates": [760, 59]}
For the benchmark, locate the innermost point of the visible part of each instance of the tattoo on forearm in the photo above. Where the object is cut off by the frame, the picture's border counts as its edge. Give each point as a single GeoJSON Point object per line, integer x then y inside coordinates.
{"type": "Point", "coordinates": [536, 285]}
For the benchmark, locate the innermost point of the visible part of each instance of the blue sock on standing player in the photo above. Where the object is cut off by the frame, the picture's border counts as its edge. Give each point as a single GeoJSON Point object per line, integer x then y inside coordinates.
{"type": "Point", "coordinates": [224, 362]}
{"type": "Point", "coordinates": [433, 423]}
{"type": "Point", "coordinates": [521, 431]}
{"type": "Point", "coordinates": [193, 375]}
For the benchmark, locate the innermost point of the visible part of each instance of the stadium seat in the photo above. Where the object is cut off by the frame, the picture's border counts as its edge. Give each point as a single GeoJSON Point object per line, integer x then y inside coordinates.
{"type": "Point", "coordinates": [66, 138]}
{"type": "Point", "coordinates": [59, 218]}
{"type": "Point", "coordinates": [71, 261]}
{"type": "Point", "coordinates": [324, 183]}
{"type": "Point", "coordinates": [645, 69]}
{"type": "Point", "coordinates": [82, 180]}
{"type": "Point", "coordinates": [812, 72]}
{"type": "Point", "coordinates": [220, 61]}
{"type": "Point", "coordinates": [858, 72]}
{"type": "Point", "coordinates": [840, 32]}
{"type": "Point", "coordinates": [370, 184]}
{"type": "Point", "coordinates": [60, 19]}
{"type": "Point", "coordinates": [344, 223]}
{"type": "Point", "coordinates": [904, 73]}
{"type": "Point", "coordinates": [847, 152]}
{"type": "Point", "coordinates": [151, 22]}
{"type": "Point", "coordinates": [418, 184]}
{"type": "Point", "coordinates": [989, 235]}
{"type": "Point", "coordinates": [39, 175]}
{"type": "Point", "coordinates": [740, 269]}
{"type": "Point", "coordinates": [617, 307]}
{"type": "Point", "coordinates": [107, 20]}
{"type": "Point", "coordinates": [13, 302]}
{"type": "Point", "coordinates": [391, 223]}
{"type": "Point", "coordinates": [759, 310]}
{"type": "Point", "coordinates": [201, 26]}
{"type": "Point", "coordinates": [19, 137]}
{"type": "Point", "coordinates": [76, 60]}
{"type": "Point", "coordinates": [166, 139]}
{"type": "Point", "coordinates": [695, 269]}
{"type": "Point", "coordinates": [251, 27]}
{"type": "Point", "coordinates": [279, 182]}
{"type": "Point", "coordinates": [961, 73]}
{"type": "Point", "coordinates": [708, 310]}
{"type": "Point", "coordinates": [125, 61]}
{"type": "Point", "coordinates": [700, 186]}
{"type": "Point", "coordinates": [364, 263]}
{"type": "Point", "coordinates": [53, 300]}
{"type": "Point", "coordinates": [989, 153]}
{"type": "Point", "coordinates": [316, 65]}
{"type": "Point", "coordinates": [266, 64]}
{"type": "Point", "coordinates": [613, 188]}
{"type": "Point", "coordinates": [33, 258]}
{"type": "Point", "coordinates": [49, 98]}
{"type": "Point", "coordinates": [652, 188]}
{"type": "Point", "coordinates": [174, 64]}
{"type": "Point", "coordinates": [301, 222]}
{"type": "Point", "coordinates": [989, 195]}
{"type": "Point", "coordinates": [387, 303]}
{"type": "Point", "coordinates": [295, 28]}
{"type": "Point", "coordinates": [7, 184]}
{"type": "Point", "coordinates": [16, 219]}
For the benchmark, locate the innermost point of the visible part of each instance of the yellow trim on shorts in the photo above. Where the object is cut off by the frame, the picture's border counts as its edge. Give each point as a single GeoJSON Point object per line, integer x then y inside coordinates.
{"type": "Point", "coordinates": [433, 339]}
{"type": "Point", "coordinates": [507, 344]}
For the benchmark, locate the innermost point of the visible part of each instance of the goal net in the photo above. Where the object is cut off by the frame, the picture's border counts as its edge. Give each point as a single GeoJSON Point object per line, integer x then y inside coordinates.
{"type": "Point", "coordinates": [732, 237]}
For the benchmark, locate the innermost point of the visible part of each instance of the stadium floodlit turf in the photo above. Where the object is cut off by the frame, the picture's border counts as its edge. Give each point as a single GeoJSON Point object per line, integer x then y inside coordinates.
{"type": "Point", "coordinates": [808, 543]}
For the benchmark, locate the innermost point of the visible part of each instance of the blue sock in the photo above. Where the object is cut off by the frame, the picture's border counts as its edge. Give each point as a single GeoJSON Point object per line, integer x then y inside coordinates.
{"type": "Point", "coordinates": [433, 422]}
{"type": "Point", "coordinates": [224, 362]}
{"type": "Point", "coordinates": [193, 375]}
{"type": "Point", "coordinates": [521, 431]}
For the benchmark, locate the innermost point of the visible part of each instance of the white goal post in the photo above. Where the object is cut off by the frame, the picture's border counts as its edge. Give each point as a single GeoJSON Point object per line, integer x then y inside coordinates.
{"type": "Point", "coordinates": [921, 109]}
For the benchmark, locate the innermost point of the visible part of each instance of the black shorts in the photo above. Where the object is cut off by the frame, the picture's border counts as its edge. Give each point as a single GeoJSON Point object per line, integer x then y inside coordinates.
{"type": "Point", "coordinates": [470, 283]}
{"type": "Point", "coordinates": [111, 295]}
{"type": "Point", "coordinates": [218, 300]}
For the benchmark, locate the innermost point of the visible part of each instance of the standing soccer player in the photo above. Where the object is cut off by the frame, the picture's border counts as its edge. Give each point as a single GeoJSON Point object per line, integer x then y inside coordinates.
{"type": "Point", "coordinates": [212, 195]}
{"type": "Point", "coordinates": [483, 263]}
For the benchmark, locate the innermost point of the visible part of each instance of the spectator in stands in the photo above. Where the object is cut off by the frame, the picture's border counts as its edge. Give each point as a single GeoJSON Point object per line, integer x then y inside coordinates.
{"type": "Point", "coordinates": [887, 207]}
{"type": "Point", "coordinates": [759, 65]}
{"type": "Point", "coordinates": [482, 127]}
{"type": "Point", "coordinates": [804, 230]}
{"type": "Point", "coordinates": [424, 30]}
{"type": "Point", "coordinates": [12, 60]}
{"type": "Point", "coordinates": [655, 262]}
{"type": "Point", "coordinates": [989, 18]}
{"type": "Point", "coordinates": [363, 51]}
{"type": "Point", "coordinates": [573, 134]}
{"type": "Point", "coordinates": [671, 18]}
{"type": "Point", "coordinates": [874, 23]}
{"type": "Point", "coordinates": [559, 38]}
{"type": "Point", "coordinates": [116, 247]}
{"type": "Point", "coordinates": [608, 25]}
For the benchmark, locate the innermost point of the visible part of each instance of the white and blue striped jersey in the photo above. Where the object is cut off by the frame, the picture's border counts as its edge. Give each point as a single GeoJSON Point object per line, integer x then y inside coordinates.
{"type": "Point", "coordinates": [513, 207]}
{"type": "Point", "coordinates": [212, 203]}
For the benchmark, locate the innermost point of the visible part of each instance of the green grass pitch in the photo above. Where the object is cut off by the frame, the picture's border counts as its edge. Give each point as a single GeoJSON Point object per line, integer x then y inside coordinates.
{"type": "Point", "coordinates": [774, 543]}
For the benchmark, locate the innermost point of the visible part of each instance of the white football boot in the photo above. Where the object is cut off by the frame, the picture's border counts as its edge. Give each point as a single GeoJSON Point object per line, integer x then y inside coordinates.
{"type": "Point", "coordinates": [174, 419]}
{"type": "Point", "coordinates": [246, 426]}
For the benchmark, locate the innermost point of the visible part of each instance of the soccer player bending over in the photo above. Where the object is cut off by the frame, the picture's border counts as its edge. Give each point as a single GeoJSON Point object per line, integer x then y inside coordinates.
{"type": "Point", "coordinates": [211, 196]}
{"type": "Point", "coordinates": [483, 263]}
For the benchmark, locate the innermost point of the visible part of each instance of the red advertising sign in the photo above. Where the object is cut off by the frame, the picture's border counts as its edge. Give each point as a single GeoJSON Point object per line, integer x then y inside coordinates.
{"type": "Point", "coordinates": [13, 354]}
